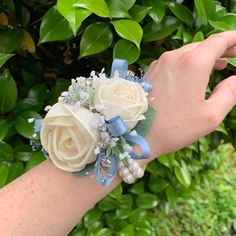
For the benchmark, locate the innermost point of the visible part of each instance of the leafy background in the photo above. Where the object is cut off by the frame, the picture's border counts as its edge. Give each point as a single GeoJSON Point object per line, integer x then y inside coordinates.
{"type": "Point", "coordinates": [45, 43]}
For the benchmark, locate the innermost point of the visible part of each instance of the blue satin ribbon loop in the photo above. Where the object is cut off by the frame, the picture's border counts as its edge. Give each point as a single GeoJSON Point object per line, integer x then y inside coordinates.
{"type": "Point", "coordinates": [116, 126]}
{"type": "Point", "coordinates": [104, 177]}
{"type": "Point", "coordinates": [120, 66]}
{"type": "Point", "coordinates": [142, 143]}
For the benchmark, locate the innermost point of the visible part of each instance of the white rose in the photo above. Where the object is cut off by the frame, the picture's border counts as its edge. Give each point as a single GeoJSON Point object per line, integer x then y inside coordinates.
{"type": "Point", "coordinates": [121, 97]}
{"type": "Point", "coordinates": [68, 137]}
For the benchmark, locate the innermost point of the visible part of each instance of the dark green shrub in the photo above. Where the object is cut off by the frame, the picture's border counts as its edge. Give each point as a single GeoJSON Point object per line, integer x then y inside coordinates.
{"type": "Point", "coordinates": [45, 43]}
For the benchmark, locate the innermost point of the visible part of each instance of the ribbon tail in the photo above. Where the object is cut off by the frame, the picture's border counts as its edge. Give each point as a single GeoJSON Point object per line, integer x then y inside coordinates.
{"type": "Point", "coordinates": [119, 66]}
{"type": "Point", "coordinates": [104, 177]}
{"type": "Point", "coordinates": [142, 143]}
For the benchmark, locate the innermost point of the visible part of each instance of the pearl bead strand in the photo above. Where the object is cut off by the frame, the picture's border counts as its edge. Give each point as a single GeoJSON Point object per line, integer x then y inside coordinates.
{"type": "Point", "coordinates": [130, 172]}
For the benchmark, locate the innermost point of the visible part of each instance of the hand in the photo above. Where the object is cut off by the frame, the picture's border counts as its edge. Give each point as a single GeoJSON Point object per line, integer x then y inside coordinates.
{"type": "Point", "coordinates": [180, 79]}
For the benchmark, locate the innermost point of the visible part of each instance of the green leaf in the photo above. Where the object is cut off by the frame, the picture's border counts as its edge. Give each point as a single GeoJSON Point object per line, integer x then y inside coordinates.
{"type": "Point", "coordinates": [183, 175]}
{"type": "Point", "coordinates": [153, 31]}
{"type": "Point", "coordinates": [126, 201]}
{"type": "Point", "coordinates": [22, 125]}
{"type": "Point", "coordinates": [157, 185]}
{"type": "Point", "coordinates": [102, 232]}
{"type": "Point", "coordinates": [117, 9]}
{"type": "Point", "coordinates": [221, 128]}
{"type": "Point", "coordinates": [38, 92]}
{"type": "Point", "coordinates": [128, 230]}
{"type": "Point", "coordinates": [143, 127]}
{"type": "Point", "coordinates": [138, 216]}
{"type": "Point", "coordinates": [92, 216]}
{"type": "Point", "coordinates": [123, 213]}
{"type": "Point", "coordinates": [139, 12]}
{"type": "Point", "coordinates": [128, 3]}
{"type": "Point", "coordinates": [35, 159]}
{"type": "Point", "coordinates": [198, 37]}
{"type": "Point", "coordinates": [6, 151]}
{"type": "Point", "coordinates": [182, 12]}
{"type": "Point", "coordinates": [4, 170]}
{"type": "Point", "coordinates": [124, 49]}
{"type": "Point", "coordinates": [54, 27]}
{"type": "Point", "coordinates": [15, 170]}
{"type": "Point", "coordinates": [10, 40]}
{"type": "Point", "coordinates": [232, 61]}
{"type": "Point", "coordinates": [4, 125]}
{"type": "Point", "coordinates": [116, 193]}
{"type": "Point", "coordinates": [158, 9]}
{"type": "Point", "coordinates": [23, 152]}
{"type": "Point", "coordinates": [4, 58]}
{"type": "Point", "coordinates": [96, 38]}
{"type": "Point", "coordinates": [107, 204]}
{"type": "Point", "coordinates": [74, 15]}
{"type": "Point", "coordinates": [8, 92]}
{"type": "Point", "coordinates": [205, 10]}
{"type": "Point", "coordinates": [147, 201]}
{"type": "Point", "coordinates": [228, 22]}
{"type": "Point", "coordinates": [166, 159]}
{"type": "Point", "coordinates": [130, 30]}
{"type": "Point", "coordinates": [98, 7]}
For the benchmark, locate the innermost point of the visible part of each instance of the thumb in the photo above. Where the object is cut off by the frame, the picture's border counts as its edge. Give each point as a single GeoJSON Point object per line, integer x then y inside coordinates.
{"type": "Point", "coordinates": [223, 97]}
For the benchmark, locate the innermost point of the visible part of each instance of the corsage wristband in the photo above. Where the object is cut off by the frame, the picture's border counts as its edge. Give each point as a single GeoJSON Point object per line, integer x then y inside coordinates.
{"type": "Point", "coordinates": [92, 127]}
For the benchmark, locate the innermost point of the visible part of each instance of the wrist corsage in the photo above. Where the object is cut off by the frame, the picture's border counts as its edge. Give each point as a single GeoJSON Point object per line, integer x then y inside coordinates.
{"type": "Point", "coordinates": [92, 128]}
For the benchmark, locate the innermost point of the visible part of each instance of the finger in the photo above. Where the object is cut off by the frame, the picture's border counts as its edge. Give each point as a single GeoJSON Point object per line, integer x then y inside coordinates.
{"type": "Point", "coordinates": [220, 64]}
{"type": "Point", "coordinates": [223, 98]}
{"type": "Point", "coordinates": [216, 45]}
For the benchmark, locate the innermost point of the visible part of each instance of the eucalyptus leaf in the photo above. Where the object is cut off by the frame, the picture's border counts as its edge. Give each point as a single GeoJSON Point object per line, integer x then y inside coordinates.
{"type": "Point", "coordinates": [73, 14]}
{"type": "Point", "coordinates": [143, 127]}
{"type": "Point", "coordinates": [130, 30]}
{"type": "Point", "coordinates": [96, 38]}
{"type": "Point", "coordinates": [54, 27]}
{"type": "Point", "coordinates": [98, 7]}
{"type": "Point", "coordinates": [124, 49]}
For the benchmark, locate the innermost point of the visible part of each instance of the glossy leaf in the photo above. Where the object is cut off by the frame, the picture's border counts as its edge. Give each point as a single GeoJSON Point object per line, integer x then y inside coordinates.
{"type": "Point", "coordinates": [4, 170]}
{"type": "Point", "coordinates": [8, 93]}
{"type": "Point", "coordinates": [4, 58]}
{"type": "Point", "coordinates": [128, 230]}
{"type": "Point", "coordinates": [22, 125]}
{"type": "Point", "coordinates": [205, 10]}
{"type": "Point", "coordinates": [183, 174]}
{"type": "Point", "coordinates": [228, 22]}
{"type": "Point", "coordinates": [38, 92]}
{"type": "Point", "coordinates": [199, 36]}
{"type": "Point", "coordinates": [139, 12]}
{"type": "Point", "coordinates": [158, 10]}
{"type": "Point", "coordinates": [123, 213]}
{"type": "Point", "coordinates": [54, 27]}
{"type": "Point", "coordinates": [92, 216]}
{"type": "Point", "coordinates": [117, 9]}
{"type": "Point", "coordinates": [15, 170]}
{"type": "Point", "coordinates": [146, 201]}
{"type": "Point", "coordinates": [4, 125]}
{"type": "Point", "coordinates": [10, 40]}
{"type": "Point", "coordinates": [116, 193]}
{"type": "Point", "coordinates": [6, 151]}
{"type": "Point", "coordinates": [128, 3]}
{"type": "Point", "coordinates": [96, 38]}
{"type": "Point", "coordinates": [153, 31]}
{"type": "Point", "coordinates": [73, 14]}
{"type": "Point", "coordinates": [124, 49]}
{"type": "Point", "coordinates": [35, 159]}
{"type": "Point", "coordinates": [182, 12]}
{"type": "Point", "coordinates": [98, 7]}
{"type": "Point", "coordinates": [130, 30]}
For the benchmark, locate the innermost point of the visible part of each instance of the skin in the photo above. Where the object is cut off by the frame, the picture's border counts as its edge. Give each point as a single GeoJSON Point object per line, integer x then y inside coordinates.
{"type": "Point", "coordinates": [48, 201]}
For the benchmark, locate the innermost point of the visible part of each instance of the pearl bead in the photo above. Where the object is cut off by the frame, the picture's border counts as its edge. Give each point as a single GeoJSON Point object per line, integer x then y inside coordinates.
{"type": "Point", "coordinates": [123, 172]}
{"type": "Point", "coordinates": [121, 164]}
{"type": "Point", "coordinates": [129, 179]}
{"type": "Point", "coordinates": [134, 166]}
{"type": "Point", "coordinates": [131, 161]}
{"type": "Point", "coordinates": [139, 173]}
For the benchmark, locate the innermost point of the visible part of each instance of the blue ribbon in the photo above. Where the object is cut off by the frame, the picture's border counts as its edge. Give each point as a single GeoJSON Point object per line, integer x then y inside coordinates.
{"type": "Point", "coordinates": [117, 127]}
{"type": "Point", "coordinates": [121, 67]}
{"type": "Point", "coordinates": [105, 177]}
{"type": "Point", "coordinates": [37, 125]}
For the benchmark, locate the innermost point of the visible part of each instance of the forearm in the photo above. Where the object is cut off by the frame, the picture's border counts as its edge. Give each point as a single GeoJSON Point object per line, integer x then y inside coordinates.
{"type": "Point", "coordinates": [48, 201]}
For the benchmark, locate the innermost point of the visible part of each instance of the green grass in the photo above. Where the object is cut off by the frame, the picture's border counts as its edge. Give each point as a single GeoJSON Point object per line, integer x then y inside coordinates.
{"type": "Point", "coordinates": [212, 209]}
